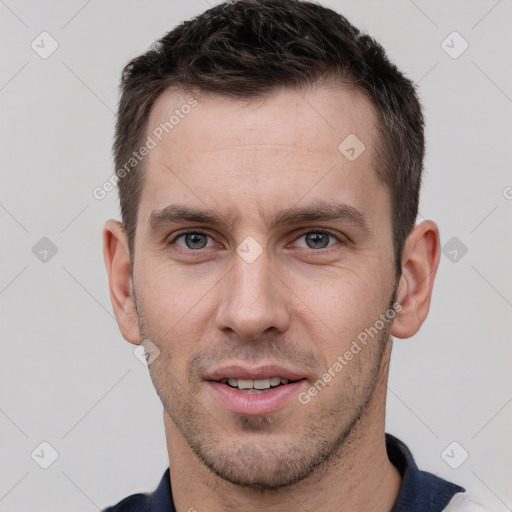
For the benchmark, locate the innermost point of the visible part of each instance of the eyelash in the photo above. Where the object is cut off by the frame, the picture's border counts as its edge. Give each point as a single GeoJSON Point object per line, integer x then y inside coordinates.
{"type": "Point", "coordinates": [195, 232]}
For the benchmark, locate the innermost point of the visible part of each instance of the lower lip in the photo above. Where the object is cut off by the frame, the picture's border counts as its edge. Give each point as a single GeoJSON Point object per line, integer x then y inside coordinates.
{"type": "Point", "coordinates": [256, 403]}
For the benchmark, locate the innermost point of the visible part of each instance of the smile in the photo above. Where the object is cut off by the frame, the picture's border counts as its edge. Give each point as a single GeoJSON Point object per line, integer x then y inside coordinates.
{"type": "Point", "coordinates": [255, 386]}
{"type": "Point", "coordinates": [242, 396]}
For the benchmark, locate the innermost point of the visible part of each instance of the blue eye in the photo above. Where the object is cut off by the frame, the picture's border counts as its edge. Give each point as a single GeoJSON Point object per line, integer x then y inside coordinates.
{"type": "Point", "coordinates": [193, 240]}
{"type": "Point", "coordinates": [318, 239]}
{"type": "Point", "coordinates": [196, 240]}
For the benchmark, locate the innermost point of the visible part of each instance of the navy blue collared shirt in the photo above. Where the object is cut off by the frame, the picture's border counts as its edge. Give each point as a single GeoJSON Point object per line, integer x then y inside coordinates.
{"type": "Point", "coordinates": [420, 491]}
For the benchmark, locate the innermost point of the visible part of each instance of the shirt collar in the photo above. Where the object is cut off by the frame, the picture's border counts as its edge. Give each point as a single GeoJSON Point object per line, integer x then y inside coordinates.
{"type": "Point", "coordinates": [420, 491]}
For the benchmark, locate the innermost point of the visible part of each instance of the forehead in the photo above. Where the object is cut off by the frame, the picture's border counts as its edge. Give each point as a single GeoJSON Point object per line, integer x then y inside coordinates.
{"type": "Point", "coordinates": [314, 120]}
{"type": "Point", "coordinates": [218, 152]}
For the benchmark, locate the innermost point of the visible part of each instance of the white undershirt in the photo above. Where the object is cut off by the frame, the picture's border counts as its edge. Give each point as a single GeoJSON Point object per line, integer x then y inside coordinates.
{"type": "Point", "coordinates": [461, 503]}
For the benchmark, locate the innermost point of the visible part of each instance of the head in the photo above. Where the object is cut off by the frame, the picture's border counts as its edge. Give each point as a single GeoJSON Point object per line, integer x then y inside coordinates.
{"type": "Point", "coordinates": [268, 223]}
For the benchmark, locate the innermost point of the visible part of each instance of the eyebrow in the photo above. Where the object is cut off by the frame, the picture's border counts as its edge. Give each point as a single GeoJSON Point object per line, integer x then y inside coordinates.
{"type": "Point", "coordinates": [320, 211]}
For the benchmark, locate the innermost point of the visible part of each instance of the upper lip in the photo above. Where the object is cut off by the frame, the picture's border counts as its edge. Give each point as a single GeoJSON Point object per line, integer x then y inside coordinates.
{"type": "Point", "coordinates": [254, 373]}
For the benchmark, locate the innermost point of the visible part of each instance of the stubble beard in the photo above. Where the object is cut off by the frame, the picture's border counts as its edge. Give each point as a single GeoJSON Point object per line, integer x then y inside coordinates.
{"type": "Point", "coordinates": [257, 457]}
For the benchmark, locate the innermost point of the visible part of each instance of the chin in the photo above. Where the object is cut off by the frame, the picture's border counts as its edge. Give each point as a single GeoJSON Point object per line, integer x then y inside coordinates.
{"type": "Point", "coordinates": [265, 468]}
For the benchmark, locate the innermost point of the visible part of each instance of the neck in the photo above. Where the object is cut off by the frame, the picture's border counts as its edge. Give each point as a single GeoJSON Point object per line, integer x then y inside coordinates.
{"type": "Point", "coordinates": [358, 477]}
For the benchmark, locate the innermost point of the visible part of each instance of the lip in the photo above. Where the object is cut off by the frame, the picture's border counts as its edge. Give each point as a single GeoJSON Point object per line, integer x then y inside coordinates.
{"type": "Point", "coordinates": [254, 373]}
{"type": "Point", "coordinates": [254, 404]}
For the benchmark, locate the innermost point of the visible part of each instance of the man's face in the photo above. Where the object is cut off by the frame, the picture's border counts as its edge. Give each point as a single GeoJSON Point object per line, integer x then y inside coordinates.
{"type": "Point", "coordinates": [258, 292]}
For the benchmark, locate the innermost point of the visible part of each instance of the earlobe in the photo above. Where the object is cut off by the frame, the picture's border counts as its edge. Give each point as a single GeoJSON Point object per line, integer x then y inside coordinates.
{"type": "Point", "coordinates": [117, 262]}
{"type": "Point", "coordinates": [419, 266]}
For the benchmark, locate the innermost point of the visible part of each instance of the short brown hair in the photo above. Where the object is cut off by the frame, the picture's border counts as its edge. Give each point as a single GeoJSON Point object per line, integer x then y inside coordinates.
{"type": "Point", "coordinates": [244, 49]}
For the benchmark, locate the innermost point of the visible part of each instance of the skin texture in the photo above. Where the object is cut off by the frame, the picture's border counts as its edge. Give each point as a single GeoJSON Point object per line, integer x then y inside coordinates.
{"type": "Point", "coordinates": [298, 305]}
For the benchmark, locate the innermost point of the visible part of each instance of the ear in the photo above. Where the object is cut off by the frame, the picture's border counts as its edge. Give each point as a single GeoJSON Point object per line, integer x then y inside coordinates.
{"type": "Point", "coordinates": [420, 260]}
{"type": "Point", "coordinates": [117, 261]}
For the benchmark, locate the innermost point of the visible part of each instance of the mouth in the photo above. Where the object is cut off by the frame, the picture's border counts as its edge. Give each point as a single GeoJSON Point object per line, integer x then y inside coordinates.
{"type": "Point", "coordinates": [255, 391]}
{"type": "Point", "coordinates": [256, 386]}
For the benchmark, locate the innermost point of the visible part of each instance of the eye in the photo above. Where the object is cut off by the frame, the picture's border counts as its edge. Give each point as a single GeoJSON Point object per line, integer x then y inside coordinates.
{"type": "Point", "coordinates": [197, 240]}
{"type": "Point", "coordinates": [318, 239]}
{"type": "Point", "coordinates": [193, 240]}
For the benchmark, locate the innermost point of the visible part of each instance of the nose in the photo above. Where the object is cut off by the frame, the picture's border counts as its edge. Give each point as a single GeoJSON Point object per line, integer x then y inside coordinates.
{"type": "Point", "coordinates": [253, 302]}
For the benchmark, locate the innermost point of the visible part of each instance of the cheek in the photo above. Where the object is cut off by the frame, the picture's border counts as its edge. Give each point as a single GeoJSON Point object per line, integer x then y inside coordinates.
{"type": "Point", "coordinates": [175, 308]}
{"type": "Point", "coordinates": [342, 305]}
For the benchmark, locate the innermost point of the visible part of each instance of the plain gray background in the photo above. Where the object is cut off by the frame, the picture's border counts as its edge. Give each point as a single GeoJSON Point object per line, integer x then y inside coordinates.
{"type": "Point", "coordinates": [68, 378]}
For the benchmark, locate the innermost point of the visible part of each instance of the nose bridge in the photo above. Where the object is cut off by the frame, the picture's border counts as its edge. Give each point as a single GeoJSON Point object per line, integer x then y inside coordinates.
{"type": "Point", "coordinates": [250, 280]}
{"type": "Point", "coordinates": [249, 304]}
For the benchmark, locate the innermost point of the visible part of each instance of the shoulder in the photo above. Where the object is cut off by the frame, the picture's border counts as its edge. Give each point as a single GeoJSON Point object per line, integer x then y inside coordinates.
{"type": "Point", "coordinates": [134, 503]}
{"type": "Point", "coordinates": [422, 491]}
{"type": "Point", "coordinates": [158, 501]}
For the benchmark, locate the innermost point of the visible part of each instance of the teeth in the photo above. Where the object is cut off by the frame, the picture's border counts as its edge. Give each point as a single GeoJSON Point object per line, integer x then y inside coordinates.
{"type": "Point", "coordinates": [255, 384]}
{"type": "Point", "coordinates": [245, 384]}
{"type": "Point", "coordinates": [262, 384]}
